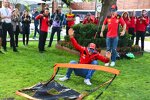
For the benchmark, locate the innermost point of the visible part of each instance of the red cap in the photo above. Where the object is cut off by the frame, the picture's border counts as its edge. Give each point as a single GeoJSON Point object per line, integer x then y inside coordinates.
{"type": "Point", "coordinates": [92, 46]}
{"type": "Point", "coordinates": [113, 6]}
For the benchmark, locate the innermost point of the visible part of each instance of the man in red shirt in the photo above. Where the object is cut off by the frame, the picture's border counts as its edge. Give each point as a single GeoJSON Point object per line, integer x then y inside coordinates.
{"type": "Point", "coordinates": [44, 24]}
{"type": "Point", "coordinates": [70, 18]}
{"type": "Point", "coordinates": [141, 25]}
{"type": "Point", "coordinates": [113, 22]}
{"type": "Point", "coordinates": [88, 55]}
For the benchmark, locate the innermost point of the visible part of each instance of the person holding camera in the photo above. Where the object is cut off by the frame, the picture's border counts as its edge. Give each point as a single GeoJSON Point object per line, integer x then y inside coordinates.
{"type": "Point", "coordinates": [26, 21]}
{"type": "Point", "coordinates": [141, 25]}
{"type": "Point", "coordinates": [57, 20]}
{"type": "Point", "coordinates": [44, 24]}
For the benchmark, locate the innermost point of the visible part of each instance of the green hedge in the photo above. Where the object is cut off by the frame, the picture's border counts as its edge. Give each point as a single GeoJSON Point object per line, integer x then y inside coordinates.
{"type": "Point", "coordinates": [84, 34]}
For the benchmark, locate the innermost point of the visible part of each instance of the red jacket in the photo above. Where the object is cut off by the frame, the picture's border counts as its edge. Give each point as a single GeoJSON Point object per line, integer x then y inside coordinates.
{"type": "Point", "coordinates": [43, 22]}
{"type": "Point", "coordinates": [85, 57]}
{"type": "Point", "coordinates": [142, 24]}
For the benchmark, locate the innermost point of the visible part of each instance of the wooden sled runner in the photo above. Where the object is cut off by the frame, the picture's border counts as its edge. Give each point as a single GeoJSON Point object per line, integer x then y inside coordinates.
{"type": "Point", "coordinates": [52, 90]}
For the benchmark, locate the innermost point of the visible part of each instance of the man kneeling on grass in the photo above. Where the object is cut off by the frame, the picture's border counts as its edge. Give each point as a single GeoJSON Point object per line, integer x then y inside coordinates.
{"type": "Point", "coordinates": [88, 55]}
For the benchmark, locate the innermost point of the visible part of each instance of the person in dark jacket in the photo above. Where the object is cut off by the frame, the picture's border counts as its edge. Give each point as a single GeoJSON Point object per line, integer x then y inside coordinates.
{"type": "Point", "coordinates": [26, 20]}
{"type": "Point", "coordinates": [88, 55]}
{"type": "Point", "coordinates": [36, 22]}
{"type": "Point", "coordinates": [57, 21]}
{"type": "Point", "coordinates": [16, 19]}
{"type": "Point", "coordinates": [0, 34]}
{"type": "Point", "coordinates": [44, 24]}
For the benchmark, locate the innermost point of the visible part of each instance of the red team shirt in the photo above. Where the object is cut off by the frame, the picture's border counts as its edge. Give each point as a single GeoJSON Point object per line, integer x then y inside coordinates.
{"type": "Point", "coordinates": [142, 24]}
{"type": "Point", "coordinates": [113, 24]}
{"type": "Point", "coordinates": [128, 23]}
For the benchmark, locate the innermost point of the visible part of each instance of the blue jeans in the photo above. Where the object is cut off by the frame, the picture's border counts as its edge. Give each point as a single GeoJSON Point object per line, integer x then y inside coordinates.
{"type": "Point", "coordinates": [111, 44]}
{"type": "Point", "coordinates": [85, 73]}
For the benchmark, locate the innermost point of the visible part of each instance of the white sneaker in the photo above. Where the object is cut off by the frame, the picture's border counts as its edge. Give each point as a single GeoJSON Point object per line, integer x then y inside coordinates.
{"type": "Point", "coordinates": [106, 64]}
{"type": "Point", "coordinates": [63, 78]}
{"type": "Point", "coordinates": [112, 64]}
{"type": "Point", "coordinates": [87, 82]}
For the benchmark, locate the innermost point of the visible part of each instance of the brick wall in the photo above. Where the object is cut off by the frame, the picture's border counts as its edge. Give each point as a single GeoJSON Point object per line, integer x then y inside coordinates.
{"type": "Point", "coordinates": [133, 4]}
{"type": "Point", "coordinates": [122, 4]}
{"type": "Point", "coordinates": [83, 6]}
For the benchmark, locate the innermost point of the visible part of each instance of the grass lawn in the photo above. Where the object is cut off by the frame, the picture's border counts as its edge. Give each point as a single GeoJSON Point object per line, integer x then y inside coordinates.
{"type": "Point", "coordinates": [28, 67]}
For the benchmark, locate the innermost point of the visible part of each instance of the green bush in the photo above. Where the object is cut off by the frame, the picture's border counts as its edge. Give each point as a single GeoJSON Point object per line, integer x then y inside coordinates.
{"type": "Point", "coordinates": [86, 33]}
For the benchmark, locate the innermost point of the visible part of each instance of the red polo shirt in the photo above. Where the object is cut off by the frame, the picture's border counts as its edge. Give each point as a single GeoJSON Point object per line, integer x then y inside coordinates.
{"type": "Point", "coordinates": [113, 25]}
{"type": "Point", "coordinates": [133, 22]}
{"type": "Point", "coordinates": [128, 23]}
{"type": "Point", "coordinates": [142, 24]}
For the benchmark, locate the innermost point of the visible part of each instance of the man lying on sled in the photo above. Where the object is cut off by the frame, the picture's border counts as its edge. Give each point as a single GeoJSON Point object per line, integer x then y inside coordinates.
{"type": "Point", "coordinates": [88, 55]}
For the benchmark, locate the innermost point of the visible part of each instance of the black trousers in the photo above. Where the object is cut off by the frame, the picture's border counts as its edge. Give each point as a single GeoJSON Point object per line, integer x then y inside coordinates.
{"type": "Point", "coordinates": [35, 30]}
{"type": "Point", "coordinates": [131, 31]}
{"type": "Point", "coordinates": [26, 32]}
{"type": "Point", "coordinates": [42, 40]}
{"type": "Point", "coordinates": [54, 29]}
{"type": "Point", "coordinates": [16, 35]}
{"type": "Point", "coordinates": [67, 29]}
{"type": "Point", "coordinates": [7, 27]}
{"type": "Point", "coordinates": [140, 34]}
{"type": "Point", "coordinates": [0, 39]}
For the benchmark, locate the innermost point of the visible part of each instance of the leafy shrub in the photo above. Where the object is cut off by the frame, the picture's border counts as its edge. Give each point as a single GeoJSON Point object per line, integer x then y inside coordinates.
{"type": "Point", "coordinates": [86, 33]}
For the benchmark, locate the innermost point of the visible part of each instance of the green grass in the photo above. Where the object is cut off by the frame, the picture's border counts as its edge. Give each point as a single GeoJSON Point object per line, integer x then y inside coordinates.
{"type": "Point", "coordinates": [28, 67]}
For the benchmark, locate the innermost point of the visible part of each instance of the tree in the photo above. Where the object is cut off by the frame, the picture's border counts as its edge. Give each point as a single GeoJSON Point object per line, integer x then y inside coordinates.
{"type": "Point", "coordinates": [106, 4]}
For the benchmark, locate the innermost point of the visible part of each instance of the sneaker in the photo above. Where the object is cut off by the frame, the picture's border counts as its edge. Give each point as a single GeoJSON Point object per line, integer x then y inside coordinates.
{"type": "Point", "coordinates": [87, 82]}
{"type": "Point", "coordinates": [106, 64]}
{"type": "Point", "coordinates": [63, 78]}
{"type": "Point", "coordinates": [112, 64]}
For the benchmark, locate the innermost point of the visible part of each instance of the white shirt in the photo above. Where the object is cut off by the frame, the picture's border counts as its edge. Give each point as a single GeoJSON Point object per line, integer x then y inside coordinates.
{"type": "Point", "coordinates": [77, 20]}
{"type": "Point", "coordinates": [6, 12]}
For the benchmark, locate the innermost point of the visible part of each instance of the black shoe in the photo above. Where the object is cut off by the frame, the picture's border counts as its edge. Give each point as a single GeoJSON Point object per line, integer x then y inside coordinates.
{"type": "Point", "coordinates": [44, 50]}
{"type": "Point", "coordinates": [1, 52]}
{"type": "Point", "coordinates": [15, 50]}
{"type": "Point", "coordinates": [49, 46]}
{"type": "Point", "coordinates": [41, 51]}
{"type": "Point", "coordinates": [5, 50]}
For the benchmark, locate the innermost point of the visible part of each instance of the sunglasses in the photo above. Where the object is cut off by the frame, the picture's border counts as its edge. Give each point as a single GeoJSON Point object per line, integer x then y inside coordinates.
{"type": "Point", "coordinates": [91, 50]}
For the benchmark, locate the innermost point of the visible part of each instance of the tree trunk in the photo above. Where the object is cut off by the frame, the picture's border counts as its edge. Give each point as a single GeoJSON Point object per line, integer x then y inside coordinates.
{"type": "Point", "coordinates": [106, 4]}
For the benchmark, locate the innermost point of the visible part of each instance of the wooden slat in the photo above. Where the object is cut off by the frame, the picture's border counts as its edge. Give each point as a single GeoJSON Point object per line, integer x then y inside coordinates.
{"type": "Point", "coordinates": [88, 66]}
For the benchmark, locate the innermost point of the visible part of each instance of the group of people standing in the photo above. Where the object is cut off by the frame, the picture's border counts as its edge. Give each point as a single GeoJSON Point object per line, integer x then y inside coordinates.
{"type": "Point", "coordinates": [136, 26]}
{"type": "Point", "coordinates": [11, 23]}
